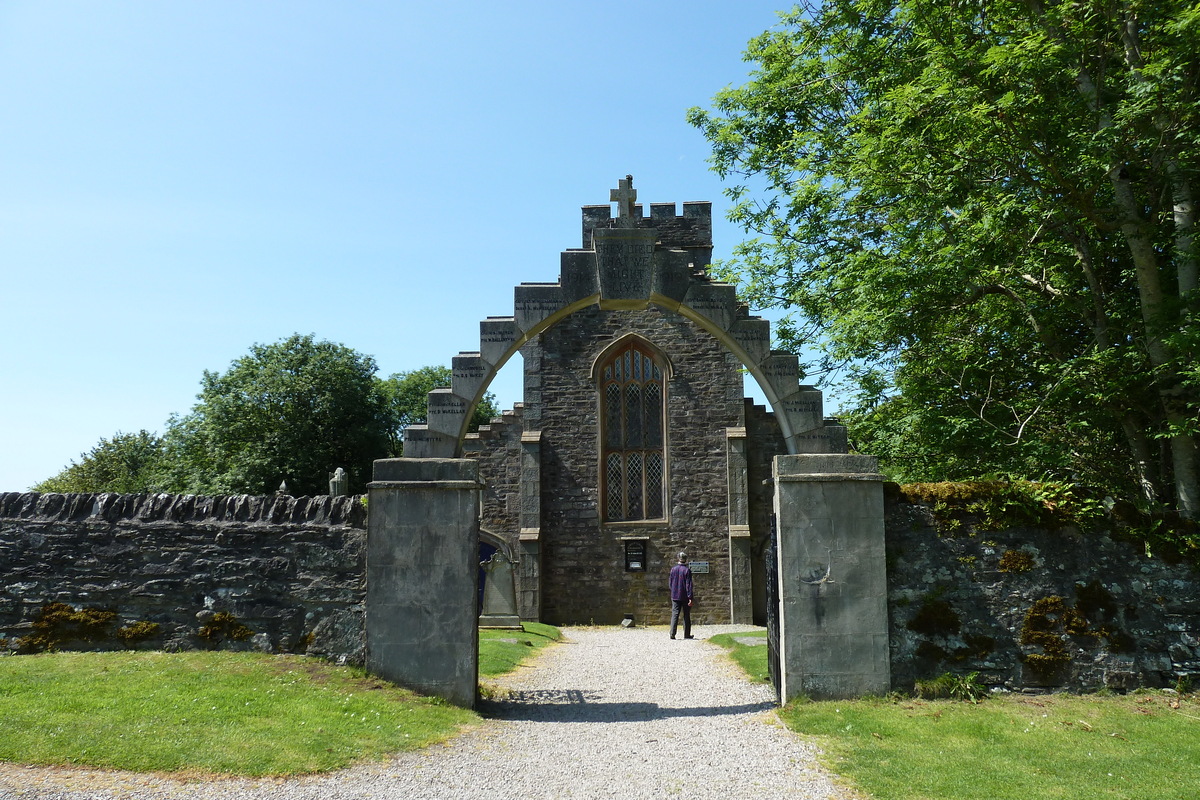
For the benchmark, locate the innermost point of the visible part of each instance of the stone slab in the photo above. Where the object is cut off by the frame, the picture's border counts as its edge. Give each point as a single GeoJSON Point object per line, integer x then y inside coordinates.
{"type": "Point", "coordinates": [716, 302]}
{"type": "Point", "coordinates": [422, 576]}
{"type": "Point", "coordinates": [832, 577]}
{"type": "Point", "coordinates": [469, 374]}
{"type": "Point", "coordinates": [577, 275]}
{"type": "Point", "coordinates": [533, 303]}
{"type": "Point", "coordinates": [625, 266]}
{"type": "Point", "coordinates": [754, 337]}
{"type": "Point", "coordinates": [447, 412]}
{"type": "Point", "coordinates": [498, 336]}
{"type": "Point", "coordinates": [420, 442]}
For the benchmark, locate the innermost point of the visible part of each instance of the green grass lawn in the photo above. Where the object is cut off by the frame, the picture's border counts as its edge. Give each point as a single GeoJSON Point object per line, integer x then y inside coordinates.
{"type": "Point", "coordinates": [1142, 746]}
{"type": "Point", "coordinates": [500, 651]}
{"type": "Point", "coordinates": [221, 712]}
{"type": "Point", "coordinates": [1013, 747]}
{"type": "Point", "coordinates": [752, 658]}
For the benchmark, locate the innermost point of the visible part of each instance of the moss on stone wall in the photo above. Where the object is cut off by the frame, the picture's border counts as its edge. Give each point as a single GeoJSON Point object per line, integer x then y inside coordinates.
{"type": "Point", "coordinates": [223, 626]}
{"type": "Point", "coordinates": [56, 624]}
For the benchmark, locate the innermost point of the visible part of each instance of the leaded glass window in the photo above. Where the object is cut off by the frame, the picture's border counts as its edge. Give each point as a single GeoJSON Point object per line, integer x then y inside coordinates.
{"type": "Point", "coordinates": [633, 396]}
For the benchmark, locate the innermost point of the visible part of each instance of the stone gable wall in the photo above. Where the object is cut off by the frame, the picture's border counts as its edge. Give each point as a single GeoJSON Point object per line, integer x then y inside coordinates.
{"type": "Point", "coordinates": [704, 398]}
{"type": "Point", "coordinates": [289, 569]}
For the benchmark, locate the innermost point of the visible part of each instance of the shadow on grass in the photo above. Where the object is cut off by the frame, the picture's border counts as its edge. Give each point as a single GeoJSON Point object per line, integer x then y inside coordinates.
{"type": "Point", "coordinates": [581, 705]}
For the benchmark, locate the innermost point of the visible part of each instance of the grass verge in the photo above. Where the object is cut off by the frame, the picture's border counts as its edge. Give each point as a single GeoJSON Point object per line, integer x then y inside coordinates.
{"type": "Point", "coordinates": [1142, 746]}
{"type": "Point", "coordinates": [221, 712]}
{"type": "Point", "coordinates": [749, 651]}
{"type": "Point", "coordinates": [500, 651]}
{"type": "Point", "coordinates": [237, 713]}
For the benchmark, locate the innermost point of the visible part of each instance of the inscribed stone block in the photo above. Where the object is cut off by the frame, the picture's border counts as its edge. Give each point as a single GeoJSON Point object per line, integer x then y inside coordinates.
{"type": "Point", "coordinates": [625, 264]}
{"type": "Point", "coordinates": [672, 276]}
{"type": "Point", "coordinates": [754, 336]}
{"type": "Point", "coordinates": [782, 373]}
{"type": "Point", "coordinates": [447, 412]}
{"type": "Point", "coordinates": [715, 301]}
{"type": "Point", "coordinates": [536, 302]}
{"type": "Point", "coordinates": [469, 374]}
{"type": "Point", "coordinates": [420, 442]}
{"type": "Point", "coordinates": [577, 275]}
{"type": "Point", "coordinates": [497, 337]}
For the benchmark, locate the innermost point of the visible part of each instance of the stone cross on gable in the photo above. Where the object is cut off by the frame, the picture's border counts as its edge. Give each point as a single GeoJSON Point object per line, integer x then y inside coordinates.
{"type": "Point", "coordinates": [624, 196]}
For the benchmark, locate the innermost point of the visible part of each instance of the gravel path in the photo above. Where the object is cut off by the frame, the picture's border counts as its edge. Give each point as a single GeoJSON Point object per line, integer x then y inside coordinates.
{"type": "Point", "coordinates": [612, 712]}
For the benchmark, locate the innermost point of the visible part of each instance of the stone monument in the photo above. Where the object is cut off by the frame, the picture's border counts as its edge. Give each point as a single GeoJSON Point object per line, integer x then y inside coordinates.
{"type": "Point", "coordinates": [499, 594]}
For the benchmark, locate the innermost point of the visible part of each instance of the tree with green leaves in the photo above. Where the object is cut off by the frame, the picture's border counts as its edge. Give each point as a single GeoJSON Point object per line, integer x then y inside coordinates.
{"type": "Point", "coordinates": [291, 411]}
{"type": "Point", "coordinates": [407, 398]}
{"type": "Point", "coordinates": [128, 463]}
{"type": "Point", "coordinates": [986, 210]}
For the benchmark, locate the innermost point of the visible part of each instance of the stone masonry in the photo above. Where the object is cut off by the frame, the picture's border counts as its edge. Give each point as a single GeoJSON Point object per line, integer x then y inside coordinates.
{"type": "Point", "coordinates": [289, 570]}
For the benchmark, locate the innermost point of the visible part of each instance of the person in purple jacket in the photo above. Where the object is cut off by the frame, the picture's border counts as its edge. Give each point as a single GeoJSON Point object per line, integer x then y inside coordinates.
{"type": "Point", "coordinates": [680, 582]}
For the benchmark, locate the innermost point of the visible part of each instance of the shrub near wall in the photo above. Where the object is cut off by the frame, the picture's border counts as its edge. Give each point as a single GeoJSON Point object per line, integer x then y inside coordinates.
{"type": "Point", "coordinates": [1032, 607]}
{"type": "Point", "coordinates": [106, 571]}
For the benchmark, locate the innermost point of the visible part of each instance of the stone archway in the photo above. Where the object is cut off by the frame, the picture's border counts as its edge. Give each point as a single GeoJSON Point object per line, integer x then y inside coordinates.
{"type": "Point", "coordinates": [621, 268]}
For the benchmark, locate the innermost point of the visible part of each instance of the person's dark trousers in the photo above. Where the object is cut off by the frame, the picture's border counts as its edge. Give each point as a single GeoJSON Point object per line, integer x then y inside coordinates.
{"type": "Point", "coordinates": [676, 607]}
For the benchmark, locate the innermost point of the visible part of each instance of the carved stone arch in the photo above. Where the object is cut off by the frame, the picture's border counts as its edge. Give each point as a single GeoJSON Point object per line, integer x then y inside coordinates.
{"type": "Point", "coordinates": [621, 342]}
{"type": "Point", "coordinates": [631, 263]}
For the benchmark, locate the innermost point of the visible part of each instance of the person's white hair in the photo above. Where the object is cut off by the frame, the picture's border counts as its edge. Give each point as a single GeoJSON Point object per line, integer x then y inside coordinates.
{"type": "Point", "coordinates": [683, 558]}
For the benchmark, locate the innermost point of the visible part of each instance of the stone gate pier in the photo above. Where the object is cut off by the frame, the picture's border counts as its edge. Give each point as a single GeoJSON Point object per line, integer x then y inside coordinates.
{"type": "Point", "coordinates": [833, 623]}
{"type": "Point", "coordinates": [422, 575]}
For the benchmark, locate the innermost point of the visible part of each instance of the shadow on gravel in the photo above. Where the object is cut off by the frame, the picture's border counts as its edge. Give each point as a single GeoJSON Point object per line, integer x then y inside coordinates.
{"type": "Point", "coordinates": [575, 705]}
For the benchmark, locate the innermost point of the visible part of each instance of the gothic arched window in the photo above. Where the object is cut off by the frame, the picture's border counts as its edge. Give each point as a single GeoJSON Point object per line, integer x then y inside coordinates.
{"type": "Point", "coordinates": [632, 402]}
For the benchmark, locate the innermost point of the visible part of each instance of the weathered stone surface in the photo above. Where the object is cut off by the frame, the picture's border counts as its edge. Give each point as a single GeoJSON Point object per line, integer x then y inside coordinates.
{"type": "Point", "coordinates": [955, 607]}
{"type": "Point", "coordinates": [280, 565]}
{"type": "Point", "coordinates": [625, 262]}
{"type": "Point", "coordinates": [832, 577]}
{"type": "Point", "coordinates": [422, 565]}
{"type": "Point", "coordinates": [535, 302]}
{"type": "Point", "coordinates": [497, 336]}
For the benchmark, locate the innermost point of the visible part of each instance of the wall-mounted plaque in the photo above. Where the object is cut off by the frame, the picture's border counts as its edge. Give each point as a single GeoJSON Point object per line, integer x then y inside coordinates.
{"type": "Point", "coordinates": [699, 567]}
{"type": "Point", "coordinates": [635, 555]}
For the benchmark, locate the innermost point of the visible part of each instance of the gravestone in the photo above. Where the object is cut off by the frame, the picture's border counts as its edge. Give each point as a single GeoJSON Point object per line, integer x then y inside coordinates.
{"type": "Point", "coordinates": [499, 594]}
{"type": "Point", "coordinates": [339, 483]}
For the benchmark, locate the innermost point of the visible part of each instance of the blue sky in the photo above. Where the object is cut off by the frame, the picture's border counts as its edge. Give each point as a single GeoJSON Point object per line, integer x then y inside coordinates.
{"type": "Point", "coordinates": [181, 180]}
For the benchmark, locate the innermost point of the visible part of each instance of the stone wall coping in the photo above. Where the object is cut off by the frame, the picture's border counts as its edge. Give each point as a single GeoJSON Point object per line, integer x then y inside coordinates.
{"type": "Point", "coordinates": [424, 485]}
{"type": "Point", "coordinates": [831, 477]}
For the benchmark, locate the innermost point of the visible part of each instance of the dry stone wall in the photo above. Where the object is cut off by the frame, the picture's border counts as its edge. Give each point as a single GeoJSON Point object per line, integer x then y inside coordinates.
{"type": "Point", "coordinates": [1028, 609]}
{"type": "Point", "coordinates": [1034, 609]}
{"type": "Point", "coordinates": [279, 574]}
